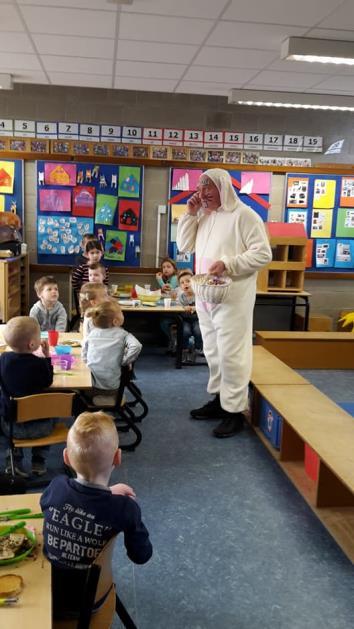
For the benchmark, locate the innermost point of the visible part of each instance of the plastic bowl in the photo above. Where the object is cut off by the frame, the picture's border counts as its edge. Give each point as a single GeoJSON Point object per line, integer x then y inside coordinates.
{"type": "Point", "coordinates": [62, 349]}
{"type": "Point", "coordinates": [32, 538]}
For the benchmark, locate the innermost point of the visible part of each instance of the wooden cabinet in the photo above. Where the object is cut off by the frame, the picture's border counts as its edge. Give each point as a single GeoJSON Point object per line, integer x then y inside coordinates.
{"type": "Point", "coordinates": [14, 280]}
{"type": "Point", "coordinates": [286, 271]}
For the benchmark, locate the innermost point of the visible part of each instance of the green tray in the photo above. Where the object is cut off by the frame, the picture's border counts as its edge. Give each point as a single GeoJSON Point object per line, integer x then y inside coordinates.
{"type": "Point", "coordinates": [31, 536]}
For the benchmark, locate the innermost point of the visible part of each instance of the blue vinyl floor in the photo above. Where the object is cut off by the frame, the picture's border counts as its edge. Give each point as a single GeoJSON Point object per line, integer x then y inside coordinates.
{"type": "Point", "coordinates": [235, 545]}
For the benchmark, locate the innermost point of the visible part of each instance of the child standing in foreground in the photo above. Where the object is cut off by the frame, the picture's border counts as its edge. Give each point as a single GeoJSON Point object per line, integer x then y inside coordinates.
{"type": "Point", "coordinates": [191, 327]}
{"type": "Point", "coordinates": [91, 294]}
{"type": "Point", "coordinates": [167, 276]}
{"type": "Point", "coordinates": [108, 347]}
{"type": "Point", "coordinates": [81, 515]}
{"type": "Point", "coordinates": [80, 274]}
{"type": "Point", "coordinates": [21, 374]}
{"type": "Point", "coordinates": [49, 312]}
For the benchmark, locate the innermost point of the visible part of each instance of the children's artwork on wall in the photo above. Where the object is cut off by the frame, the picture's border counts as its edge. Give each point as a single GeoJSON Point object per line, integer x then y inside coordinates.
{"type": "Point", "coordinates": [345, 222]}
{"type": "Point", "coordinates": [61, 235]}
{"type": "Point", "coordinates": [347, 192]}
{"type": "Point", "coordinates": [321, 226]}
{"type": "Point", "coordinates": [84, 201]}
{"type": "Point", "coordinates": [128, 215]}
{"type": "Point", "coordinates": [115, 246]}
{"type": "Point", "coordinates": [324, 193]}
{"type": "Point", "coordinates": [2, 203]}
{"type": "Point", "coordinates": [177, 210]}
{"type": "Point", "coordinates": [7, 177]}
{"type": "Point", "coordinates": [344, 256]}
{"type": "Point", "coordinates": [256, 182]}
{"type": "Point", "coordinates": [325, 250]}
{"type": "Point", "coordinates": [185, 178]}
{"type": "Point", "coordinates": [298, 216]}
{"type": "Point", "coordinates": [129, 181]}
{"type": "Point", "coordinates": [105, 209]}
{"type": "Point", "coordinates": [309, 253]}
{"type": "Point", "coordinates": [54, 200]}
{"type": "Point", "coordinates": [297, 191]}
{"type": "Point", "coordinates": [59, 174]}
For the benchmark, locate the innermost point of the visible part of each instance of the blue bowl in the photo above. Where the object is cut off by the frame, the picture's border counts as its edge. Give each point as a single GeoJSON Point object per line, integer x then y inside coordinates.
{"type": "Point", "coordinates": [62, 349]}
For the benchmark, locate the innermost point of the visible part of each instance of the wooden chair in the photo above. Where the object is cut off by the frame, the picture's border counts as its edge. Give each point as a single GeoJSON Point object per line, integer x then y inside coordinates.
{"type": "Point", "coordinates": [37, 407]}
{"type": "Point", "coordinates": [99, 586]}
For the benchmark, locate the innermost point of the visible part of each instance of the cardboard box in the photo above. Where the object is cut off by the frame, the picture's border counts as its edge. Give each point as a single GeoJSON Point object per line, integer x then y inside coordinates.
{"type": "Point", "coordinates": [317, 322]}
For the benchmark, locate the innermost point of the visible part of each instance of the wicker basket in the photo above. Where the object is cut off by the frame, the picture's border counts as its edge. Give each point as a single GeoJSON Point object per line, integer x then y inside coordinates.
{"type": "Point", "coordinates": [210, 293]}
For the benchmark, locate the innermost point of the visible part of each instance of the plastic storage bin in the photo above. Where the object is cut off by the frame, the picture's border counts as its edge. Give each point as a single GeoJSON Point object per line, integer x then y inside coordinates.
{"type": "Point", "coordinates": [270, 423]}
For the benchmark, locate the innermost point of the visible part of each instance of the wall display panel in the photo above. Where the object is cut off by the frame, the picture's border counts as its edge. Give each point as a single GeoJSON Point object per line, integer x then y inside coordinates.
{"type": "Point", "coordinates": [11, 187]}
{"type": "Point", "coordinates": [77, 198]}
{"type": "Point", "coordinates": [183, 182]}
{"type": "Point", "coordinates": [325, 206]}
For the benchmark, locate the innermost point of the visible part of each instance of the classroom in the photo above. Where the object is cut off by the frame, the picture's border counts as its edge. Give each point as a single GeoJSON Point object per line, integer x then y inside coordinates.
{"type": "Point", "coordinates": [177, 270]}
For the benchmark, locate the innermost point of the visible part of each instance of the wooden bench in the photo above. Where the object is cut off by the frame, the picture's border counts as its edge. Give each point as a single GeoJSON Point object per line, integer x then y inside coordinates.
{"type": "Point", "coordinates": [310, 350]}
{"type": "Point", "coordinates": [310, 417]}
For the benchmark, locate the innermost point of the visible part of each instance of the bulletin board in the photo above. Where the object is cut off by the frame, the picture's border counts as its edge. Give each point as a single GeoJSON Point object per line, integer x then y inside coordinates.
{"type": "Point", "coordinates": [11, 187]}
{"type": "Point", "coordinates": [253, 188]}
{"type": "Point", "coordinates": [324, 204]}
{"type": "Point", "coordinates": [75, 198]}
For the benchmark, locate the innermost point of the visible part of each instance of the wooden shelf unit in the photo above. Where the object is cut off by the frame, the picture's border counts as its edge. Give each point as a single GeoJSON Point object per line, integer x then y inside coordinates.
{"type": "Point", "coordinates": [14, 284]}
{"type": "Point", "coordinates": [286, 271]}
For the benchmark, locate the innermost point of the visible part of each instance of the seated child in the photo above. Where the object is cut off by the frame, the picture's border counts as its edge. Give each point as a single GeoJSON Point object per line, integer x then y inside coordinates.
{"type": "Point", "coordinates": [49, 312]}
{"type": "Point", "coordinates": [97, 272]}
{"type": "Point", "coordinates": [91, 294]}
{"type": "Point", "coordinates": [22, 373]}
{"type": "Point", "coordinates": [167, 276]}
{"type": "Point", "coordinates": [82, 258]}
{"type": "Point", "coordinates": [80, 275]}
{"type": "Point", "coordinates": [191, 327]}
{"type": "Point", "coordinates": [108, 347]}
{"type": "Point", "coordinates": [82, 514]}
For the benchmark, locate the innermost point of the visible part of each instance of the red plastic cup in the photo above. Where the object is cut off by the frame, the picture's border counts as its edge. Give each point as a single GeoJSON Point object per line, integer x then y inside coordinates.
{"type": "Point", "coordinates": [53, 337]}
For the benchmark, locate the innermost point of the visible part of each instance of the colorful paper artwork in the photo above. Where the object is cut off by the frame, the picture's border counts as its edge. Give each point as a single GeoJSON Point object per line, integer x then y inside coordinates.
{"type": "Point", "coordinates": [59, 174]}
{"type": "Point", "coordinates": [185, 178]}
{"type": "Point", "coordinates": [255, 182]}
{"type": "Point", "coordinates": [129, 181]}
{"type": "Point", "coordinates": [176, 212]}
{"type": "Point", "coordinates": [345, 223]}
{"type": "Point", "coordinates": [105, 209]}
{"type": "Point", "coordinates": [325, 250]}
{"type": "Point", "coordinates": [84, 201]}
{"type": "Point", "coordinates": [128, 215]}
{"type": "Point", "coordinates": [115, 246]}
{"type": "Point", "coordinates": [7, 177]}
{"type": "Point", "coordinates": [297, 194]}
{"type": "Point", "coordinates": [2, 203]}
{"type": "Point", "coordinates": [321, 225]}
{"type": "Point", "coordinates": [298, 216]}
{"type": "Point", "coordinates": [324, 193]}
{"type": "Point", "coordinates": [54, 200]}
{"type": "Point", "coordinates": [309, 254]}
{"type": "Point", "coordinates": [61, 235]}
{"type": "Point", "coordinates": [347, 192]}
{"type": "Point", "coordinates": [344, 256]}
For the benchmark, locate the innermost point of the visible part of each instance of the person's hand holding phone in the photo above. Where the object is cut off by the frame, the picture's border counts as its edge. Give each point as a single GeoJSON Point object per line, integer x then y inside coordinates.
{"type": "Point", "coordinates": [194, 204]}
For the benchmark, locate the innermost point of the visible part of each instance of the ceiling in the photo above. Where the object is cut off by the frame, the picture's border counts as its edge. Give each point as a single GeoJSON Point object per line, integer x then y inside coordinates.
{"type": "Point", "coordinates": [181, 46]}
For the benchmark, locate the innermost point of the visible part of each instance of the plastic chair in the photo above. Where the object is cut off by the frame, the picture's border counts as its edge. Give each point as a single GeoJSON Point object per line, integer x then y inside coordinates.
{"type": "Point", "coordinates": [97, 602]}
{"type": "Point", "coordinates": [33, 408]}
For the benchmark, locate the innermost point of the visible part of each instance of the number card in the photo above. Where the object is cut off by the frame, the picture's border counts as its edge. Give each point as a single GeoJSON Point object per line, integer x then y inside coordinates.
{"type": "Point", "coordinates": [193, 137]}
{"type": "Point", "coordinates": [293, 142]}
{"type": "Point", "coordinates": [253, 140]}
{"type": "Point", "coordinates": [89, 131]}
{"type": "Point", "coordinates": [173, 137]}
{"type": "Point", "coordinates": [110, 133]}
{"type": "Point", "coordinates": [47, 130]}
{"type": "Point", "coordinates": [6, 127]}
{"type": "Point", "coordinates": [273, 142]}
{"type": "Point", "coordinates": [213, 139]}
{"type": "Point", "coordinates": [313, 144]}
{"type": "Point", "coordinates": [68, 131]}
{"type": "Point", "coordinates": [152, 135]}
{"type": "Point", "coordinates": [25, 128]}
{"type": "Point", "coordinates": [132, 135]}
{"type": "Point", "coordinates": [233, 139]}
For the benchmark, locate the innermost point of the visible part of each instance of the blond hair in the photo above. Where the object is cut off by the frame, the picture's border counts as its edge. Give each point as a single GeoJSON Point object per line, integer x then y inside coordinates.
{"type": "Point", "coordinates": [89, 291]}
{"type": "Point", "coordinates": [91, 444]}
{"type": "Point", "coordinates": [103, 315]}
{"type": "Point", "coordinates": [44, 281]}
{"type": "Point", "coordinates": [19, 332]}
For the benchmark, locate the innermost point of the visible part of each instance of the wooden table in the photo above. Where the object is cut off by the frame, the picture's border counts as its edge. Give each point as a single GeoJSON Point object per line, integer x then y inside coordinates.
{"type": "Point", "coordinates": [79, 376]}
{"type": "Point", "coordinates": [34, 609]}
{"type": "Point", "coordinates": [285, 299]}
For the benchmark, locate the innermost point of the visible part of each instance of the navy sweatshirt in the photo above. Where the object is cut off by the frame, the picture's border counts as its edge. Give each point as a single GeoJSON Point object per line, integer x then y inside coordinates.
{"type": "Point", "coordinates": [23, 374]}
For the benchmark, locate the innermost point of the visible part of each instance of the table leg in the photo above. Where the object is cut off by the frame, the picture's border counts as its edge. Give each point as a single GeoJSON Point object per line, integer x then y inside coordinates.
{"type": "Point", "coordinates": [179, 348]}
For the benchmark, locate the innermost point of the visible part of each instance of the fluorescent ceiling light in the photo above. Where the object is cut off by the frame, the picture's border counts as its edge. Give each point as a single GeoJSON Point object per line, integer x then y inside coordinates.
{"type": "Point", "coordinates": [120, 1]}
{"type": "Point", "coordinates": [293, 100]}
{"type": "Point", "coordinates": [6, 82]}
{"type": "Point", "coordinates": [318, 50]}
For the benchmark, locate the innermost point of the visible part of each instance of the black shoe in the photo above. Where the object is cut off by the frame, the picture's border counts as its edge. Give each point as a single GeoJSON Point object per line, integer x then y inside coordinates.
{"type": "Point", "coordinates": [210, 410]}
{"type": "Point", "coordinates": [18, 468]}
{"type": "Point", "coordinates": [230, 426]}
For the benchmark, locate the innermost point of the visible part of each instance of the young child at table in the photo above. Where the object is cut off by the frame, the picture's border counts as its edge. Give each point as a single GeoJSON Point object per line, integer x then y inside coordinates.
{"type": "Point", "coordinates": [167, 276]}
{"type": "Point", "coordinates": [80, 274]}
{"type": "Point", "coordinates": [82, 514]}
{"type": "Point", "coordinates": [91, 294]}
{"type": "Point", "coordinates": [107, 349]}
{"type": "Point", "coordinates": [96, 273]}
{"type": "Point", "coordinates": [191, 327]}
{"type": "Point", "coordinates": [21, 374]}
{"type": "Point", "coordinates": [49, 312]}
{"type": "Point", "coordinates": [82, 258]}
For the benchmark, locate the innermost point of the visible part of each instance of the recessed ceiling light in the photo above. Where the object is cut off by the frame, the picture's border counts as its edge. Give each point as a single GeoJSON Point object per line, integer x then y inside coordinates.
{"type": "Point", "coordinates": [318, 50]}
{"type": "Point", "coordinates": [260, 98]}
